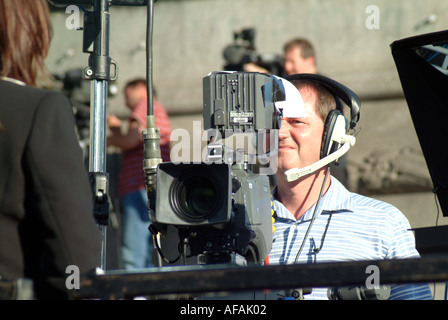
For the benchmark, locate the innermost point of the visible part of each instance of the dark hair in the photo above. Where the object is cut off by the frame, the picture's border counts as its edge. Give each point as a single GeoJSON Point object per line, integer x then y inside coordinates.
{"type": "Point", "coordinates": [137, 82]}
{"type": "Point", "coordinates": [25, 34]}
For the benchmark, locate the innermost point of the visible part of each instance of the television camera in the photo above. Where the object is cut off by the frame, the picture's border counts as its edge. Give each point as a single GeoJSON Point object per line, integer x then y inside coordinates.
{"type": "Point", "coordinates": [243, 51]}
{"type": "Point", "coordinates": [221, 207]}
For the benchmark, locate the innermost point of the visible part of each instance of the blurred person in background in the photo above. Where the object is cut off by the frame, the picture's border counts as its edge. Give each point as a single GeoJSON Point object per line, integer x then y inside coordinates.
{"type": "Point", "coordinates": [137, 246]}
{"type": "Point", "coordinates": [299, 56]}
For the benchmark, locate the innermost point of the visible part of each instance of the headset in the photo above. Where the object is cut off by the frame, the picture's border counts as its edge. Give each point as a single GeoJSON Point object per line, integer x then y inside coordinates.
{"type": "Point", "coordinates": [337, 138]}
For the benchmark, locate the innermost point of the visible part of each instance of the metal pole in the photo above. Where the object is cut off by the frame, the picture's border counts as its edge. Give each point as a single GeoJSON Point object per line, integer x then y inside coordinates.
{"type": "Point", "coordinates": [98, 72]}
{"type": "Point", "coordinates": [98, 122]}
{"type": "Point", "coordinates": [98, 132]}
{"type": "Point", "coordinates": [96, 33]}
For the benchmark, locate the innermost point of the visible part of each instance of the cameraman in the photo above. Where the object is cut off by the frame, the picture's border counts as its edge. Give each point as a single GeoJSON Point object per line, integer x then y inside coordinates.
{"type": "Point", "coordinates": [347, 226]}
{"type": "Point", "coordinates": [298, 57]}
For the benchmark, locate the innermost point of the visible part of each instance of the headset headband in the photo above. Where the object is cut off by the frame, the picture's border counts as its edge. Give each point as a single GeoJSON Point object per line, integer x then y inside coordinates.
{"type": "Point", "coordinates": [337, 89]}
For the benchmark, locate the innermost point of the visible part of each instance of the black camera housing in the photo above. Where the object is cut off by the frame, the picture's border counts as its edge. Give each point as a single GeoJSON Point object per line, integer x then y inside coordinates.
{"type": "Point", "coordinates": [243, 51]}
{"type": "Point", "coordinates": [198, 194]}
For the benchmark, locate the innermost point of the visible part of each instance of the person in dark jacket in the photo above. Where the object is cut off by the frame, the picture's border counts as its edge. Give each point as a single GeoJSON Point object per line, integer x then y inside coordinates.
{"type": "Point", "coordinates": [46, 208]}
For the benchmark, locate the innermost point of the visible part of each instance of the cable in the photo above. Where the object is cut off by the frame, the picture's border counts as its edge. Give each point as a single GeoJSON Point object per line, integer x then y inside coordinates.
{"type": "Point", "coordinates": [159, 250]}
{"type": "Point", "coordinates": [317, 250]}
{"type": "Point", "coordinates": [149, 55]}
{"type": "Point", "coordinates": [437, 206]}
{"type": "Point", "coordinates": [446, 291]}
{"type": "Point", "coordinates": [314, 215]}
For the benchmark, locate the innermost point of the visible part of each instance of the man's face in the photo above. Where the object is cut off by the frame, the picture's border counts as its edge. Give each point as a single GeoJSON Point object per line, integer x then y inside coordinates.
{"type": "Point", "coordinates": [130, 97]}
{"type": "Point", "coordinates": [294, 63]}
{"type": "Point", "coordinates": [134, 95]}
{"type": "Point", "coordinates": [300, 139]}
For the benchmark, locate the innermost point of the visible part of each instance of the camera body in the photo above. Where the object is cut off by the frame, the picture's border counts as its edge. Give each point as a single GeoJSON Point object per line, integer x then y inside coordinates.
{"type": "Point", "coordinates": [220, 209]}
{"type": "Point", "coordinates": [241, 102]}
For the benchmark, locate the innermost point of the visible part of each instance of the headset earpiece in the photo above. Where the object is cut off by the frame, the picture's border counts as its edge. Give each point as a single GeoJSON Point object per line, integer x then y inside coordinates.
{"type": "Point", "coordinates": [335, 127]}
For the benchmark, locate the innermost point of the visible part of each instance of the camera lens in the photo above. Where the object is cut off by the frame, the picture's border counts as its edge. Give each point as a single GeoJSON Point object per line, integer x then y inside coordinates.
{"type": "Point", "coordinates": [195, 198]}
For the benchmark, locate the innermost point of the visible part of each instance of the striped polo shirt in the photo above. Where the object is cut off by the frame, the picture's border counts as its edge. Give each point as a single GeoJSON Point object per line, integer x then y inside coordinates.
{"type": "Point", "coordinates": [348, 227]}
{"type": "Point", "coordinates": [132, 177]}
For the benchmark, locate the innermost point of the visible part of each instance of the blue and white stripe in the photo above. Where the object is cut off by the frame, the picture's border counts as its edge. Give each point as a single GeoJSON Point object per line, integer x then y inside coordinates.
{"type": "Point", "coordinates": [348, 227]}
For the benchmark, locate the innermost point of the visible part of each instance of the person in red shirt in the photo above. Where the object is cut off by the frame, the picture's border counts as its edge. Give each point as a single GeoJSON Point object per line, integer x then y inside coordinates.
{"type": "Point", "coordinates": [137, 244]}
